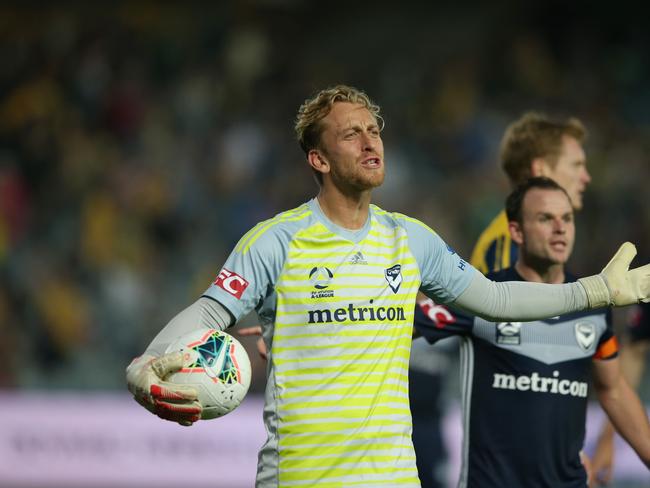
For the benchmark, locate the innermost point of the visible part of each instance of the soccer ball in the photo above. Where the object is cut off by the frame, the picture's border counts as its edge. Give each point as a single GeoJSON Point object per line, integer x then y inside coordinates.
{"type": "Point", "coordinates": [217, 365]}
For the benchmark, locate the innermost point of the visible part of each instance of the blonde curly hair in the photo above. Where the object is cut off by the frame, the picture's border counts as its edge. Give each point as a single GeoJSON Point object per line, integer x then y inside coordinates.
{"type": "Point", "coordinates": [308, 125]}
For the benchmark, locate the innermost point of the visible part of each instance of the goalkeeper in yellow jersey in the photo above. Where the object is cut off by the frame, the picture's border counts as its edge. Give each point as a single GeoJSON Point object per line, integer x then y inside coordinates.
{"type": "Point", "coordinates": [333, 283]}
{"type": "Point", "coordinates": [534, 145]}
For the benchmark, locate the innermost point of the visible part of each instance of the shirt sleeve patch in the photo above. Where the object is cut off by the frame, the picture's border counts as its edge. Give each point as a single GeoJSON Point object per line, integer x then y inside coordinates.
{"type": "Point", "coordinates": [607, 349]}
{"type": "Point", "coordinates": [231, 282]}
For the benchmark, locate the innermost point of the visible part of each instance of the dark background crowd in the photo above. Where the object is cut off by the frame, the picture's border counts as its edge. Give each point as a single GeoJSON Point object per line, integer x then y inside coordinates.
{"type": "Point", "coordinates": [140, 140]}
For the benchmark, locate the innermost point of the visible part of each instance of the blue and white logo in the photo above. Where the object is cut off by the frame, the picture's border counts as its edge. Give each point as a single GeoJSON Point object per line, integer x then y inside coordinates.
{"type": "Point", "coordinates": [394, 277]}
{"type": "Point", "coordinates": [585, 334]}
{"type": "Point", "coordinates": [321, 277]}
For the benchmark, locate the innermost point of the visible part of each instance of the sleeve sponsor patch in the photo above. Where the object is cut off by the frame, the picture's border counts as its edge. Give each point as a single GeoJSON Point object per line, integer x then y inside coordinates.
{"type": "Point", "coordinates": [231, 282]}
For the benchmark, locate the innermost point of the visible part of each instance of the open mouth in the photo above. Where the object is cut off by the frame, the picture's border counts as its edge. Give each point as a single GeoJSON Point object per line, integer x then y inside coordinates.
{"type": "Point", "coordinates": [371, 163]}
{"type": "Point", "coordinates": [558, 245]}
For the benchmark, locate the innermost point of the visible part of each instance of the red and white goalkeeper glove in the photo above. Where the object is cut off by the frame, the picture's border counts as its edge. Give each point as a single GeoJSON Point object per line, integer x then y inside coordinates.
{"type": "Point", "coordinates": [617, 284]}
{"type": "Point", "coordinates": [145, 378]}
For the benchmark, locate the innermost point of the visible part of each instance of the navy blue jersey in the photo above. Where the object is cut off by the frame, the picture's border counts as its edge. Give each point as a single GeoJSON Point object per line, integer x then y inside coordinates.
{"type": "Point", "coordinates": [525, 388]}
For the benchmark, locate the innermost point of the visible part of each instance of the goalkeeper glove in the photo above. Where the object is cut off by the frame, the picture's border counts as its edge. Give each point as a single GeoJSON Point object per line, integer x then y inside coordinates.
{"type": "Point", "coordinates": [617, 284]}
{"type": "Point", "coordinates": [145, 378]}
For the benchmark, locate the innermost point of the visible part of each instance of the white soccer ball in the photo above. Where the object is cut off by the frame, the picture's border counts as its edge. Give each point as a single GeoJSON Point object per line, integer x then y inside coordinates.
{"type": "Point", "coordinates": [217, 365]}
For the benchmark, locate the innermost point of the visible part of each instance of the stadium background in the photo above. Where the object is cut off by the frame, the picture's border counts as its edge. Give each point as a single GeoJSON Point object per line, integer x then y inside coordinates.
{"type": "Point", "coordinates": [139, 141]}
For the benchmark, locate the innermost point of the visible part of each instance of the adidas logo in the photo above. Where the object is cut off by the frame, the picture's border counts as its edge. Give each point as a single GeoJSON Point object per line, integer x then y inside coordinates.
{"type": "Point", "coordinates": [358, 258]}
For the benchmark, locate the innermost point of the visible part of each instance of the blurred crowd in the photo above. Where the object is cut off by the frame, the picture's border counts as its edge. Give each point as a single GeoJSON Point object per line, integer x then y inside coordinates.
{"type": "Point", "coordinates": [138, 142]}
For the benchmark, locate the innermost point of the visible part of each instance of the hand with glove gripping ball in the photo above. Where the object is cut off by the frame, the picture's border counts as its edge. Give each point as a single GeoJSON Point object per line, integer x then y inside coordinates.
{"type": "Point", "coordinates": [146, 380]}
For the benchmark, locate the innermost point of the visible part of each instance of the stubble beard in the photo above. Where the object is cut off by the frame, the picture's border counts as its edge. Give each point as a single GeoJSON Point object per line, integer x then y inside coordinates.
{"type": "Point", "coordinates": [357, 182]}
{"type": "Point", "coordinates": [542, 261]}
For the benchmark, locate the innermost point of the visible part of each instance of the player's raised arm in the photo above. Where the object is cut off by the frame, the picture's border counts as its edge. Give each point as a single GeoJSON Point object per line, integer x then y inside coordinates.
{"type": "Point", "coordinates": [615, 285]}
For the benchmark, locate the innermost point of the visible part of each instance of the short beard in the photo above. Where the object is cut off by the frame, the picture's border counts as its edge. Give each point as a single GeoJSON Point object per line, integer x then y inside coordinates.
{"type": "Point", "coordinates": [356, 184]}
{"type": "Point", "coordinates": [539, 264]}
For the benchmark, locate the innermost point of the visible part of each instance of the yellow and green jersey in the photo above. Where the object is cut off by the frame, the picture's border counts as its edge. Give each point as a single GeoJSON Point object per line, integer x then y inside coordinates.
{"type": "Point", "coordinates": [494, 249]}
{"type": "Point", "coordinates": [336, 308]}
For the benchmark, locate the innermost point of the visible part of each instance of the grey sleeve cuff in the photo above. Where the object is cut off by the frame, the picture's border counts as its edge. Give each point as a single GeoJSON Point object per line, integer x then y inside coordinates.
{"type": "Point", "coordinates": [597, 291]}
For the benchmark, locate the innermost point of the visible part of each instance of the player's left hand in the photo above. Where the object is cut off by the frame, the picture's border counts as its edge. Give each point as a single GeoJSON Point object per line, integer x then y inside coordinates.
{"type": "Point", "coordinates": [145, 378]}
{"type": "Point", "coordinates": [586, 463]}
{"type": "Point", "coordinates": [617, 284]}
{"type": "Point", "coordinates": [603, 460]}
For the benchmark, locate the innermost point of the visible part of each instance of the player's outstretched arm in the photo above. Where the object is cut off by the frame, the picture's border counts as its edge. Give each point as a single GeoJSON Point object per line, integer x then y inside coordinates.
{"type": "Point", "coordinates": [524, 301]}
{"type": "Point", "coordinates": [145, 376]}
{"type": "Point", "coordinates": [623, 407]}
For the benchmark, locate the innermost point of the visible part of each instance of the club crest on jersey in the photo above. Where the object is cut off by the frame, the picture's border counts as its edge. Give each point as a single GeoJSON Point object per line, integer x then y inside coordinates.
{"type": "Point", "coordinates": [321, 278]}
{"type": "Point", "coordinates": [585, 334]}
{"type": "Point", "coordinates": [231, 282]}
{"type": "Point", "coordinates": [509, 333]}
{"type": "Point", "coordinates": [394, 277]}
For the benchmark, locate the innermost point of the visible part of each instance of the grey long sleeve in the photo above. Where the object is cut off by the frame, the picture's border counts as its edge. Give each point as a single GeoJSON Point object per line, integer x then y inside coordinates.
{"type": "Point", "coordinates": [520, 300]}
{"type": "Point", "coordinates": [204, 313]}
